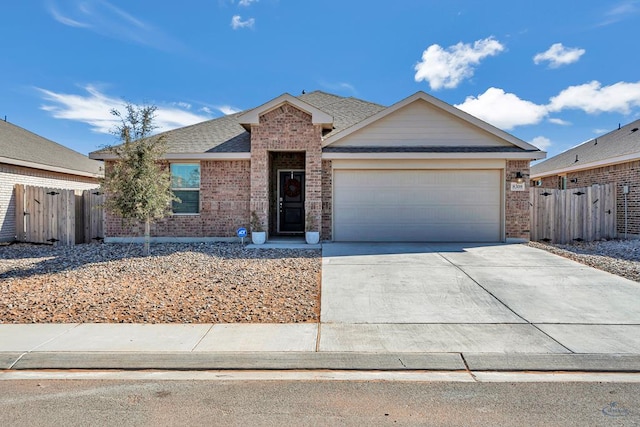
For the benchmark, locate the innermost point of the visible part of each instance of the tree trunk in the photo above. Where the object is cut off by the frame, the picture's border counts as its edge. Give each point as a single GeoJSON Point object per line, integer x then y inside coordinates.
{"type": "Point", "coordinates": [147, 236]}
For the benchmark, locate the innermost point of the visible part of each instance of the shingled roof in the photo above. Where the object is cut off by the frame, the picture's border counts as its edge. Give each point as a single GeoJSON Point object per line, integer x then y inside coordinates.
{"type": "Point", "coordinates": [226, 134]}
{"type": "Point", "coordinates": [21, 147]}
{"type": "Point", "coordinates": [614, 147]}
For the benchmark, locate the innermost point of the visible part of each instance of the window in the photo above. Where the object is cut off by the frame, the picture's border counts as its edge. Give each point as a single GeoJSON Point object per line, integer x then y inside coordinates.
{"type": "Point", "coordinates": [185, 183]}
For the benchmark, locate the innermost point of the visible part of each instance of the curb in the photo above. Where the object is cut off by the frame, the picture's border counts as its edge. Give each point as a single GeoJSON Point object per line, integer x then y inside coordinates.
{"type": "Point", "coordinates": [321, 361]}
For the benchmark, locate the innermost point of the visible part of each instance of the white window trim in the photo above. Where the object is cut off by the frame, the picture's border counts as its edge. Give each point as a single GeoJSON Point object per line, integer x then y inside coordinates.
{"type": "Point", "coordinates": [188, 189]}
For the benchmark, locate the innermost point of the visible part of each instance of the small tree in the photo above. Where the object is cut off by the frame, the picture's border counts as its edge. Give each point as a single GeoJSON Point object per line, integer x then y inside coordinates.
{"type": "Point", "coordinates": [137, 184]}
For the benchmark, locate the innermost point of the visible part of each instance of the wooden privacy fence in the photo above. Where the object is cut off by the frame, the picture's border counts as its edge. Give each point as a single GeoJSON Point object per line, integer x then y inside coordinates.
{"type": "Point", "coordinates": [56, 216]}
{"type": "Point", "coordinates": [583, 214]}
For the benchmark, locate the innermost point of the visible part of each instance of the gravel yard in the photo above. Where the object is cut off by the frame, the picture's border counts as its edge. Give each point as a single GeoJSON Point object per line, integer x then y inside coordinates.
{"type": "Point", "coordinates": [620, 257]}
{"type": "Point", "coordinates": [180, 283]}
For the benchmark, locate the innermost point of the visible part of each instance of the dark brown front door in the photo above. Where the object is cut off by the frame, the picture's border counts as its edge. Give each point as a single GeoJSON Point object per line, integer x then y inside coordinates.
{"type": "Point", "coordinates": [291, 202]}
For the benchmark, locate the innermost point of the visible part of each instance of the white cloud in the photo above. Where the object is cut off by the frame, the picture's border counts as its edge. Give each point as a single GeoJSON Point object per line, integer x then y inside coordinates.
{"type": "Point", "coordinates": [593, 98]}
{"type": "Point", "coordinates": [541, 142]}
{"type": "Point", "coordinates": [620, 11]}
{"type": "Point", "coordinates": [94, 109]}
{"type": "Point", "coordinates": [104, 18]}
{"type": "Point", "coordinates": [246, 3]}
{"type": "Point", "coordinates": [237, 22]}
{"type": "Point", "coordinates": [228, 109]}
{"type": "Point", "coordinates": [206, 110]}
{"type": "Point", "coordinates": [64, 19]}
{"type": "Point", "coordinates": [558, 55]}
{"type": "Point", "coordinates": [503, 110]}
{"type": "Point", "coordinates": [449, 67]}
{"type": "Point", "coordinates": [557, 121]}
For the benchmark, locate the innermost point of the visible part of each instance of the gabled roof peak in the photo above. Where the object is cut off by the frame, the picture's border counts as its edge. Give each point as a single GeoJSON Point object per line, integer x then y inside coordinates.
{"type": "Point", "coordinates": [318, 117]}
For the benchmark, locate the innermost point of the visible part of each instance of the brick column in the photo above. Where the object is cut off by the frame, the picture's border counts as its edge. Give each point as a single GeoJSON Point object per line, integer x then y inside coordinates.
{"type": "Point", "coordinates": [517, 208]}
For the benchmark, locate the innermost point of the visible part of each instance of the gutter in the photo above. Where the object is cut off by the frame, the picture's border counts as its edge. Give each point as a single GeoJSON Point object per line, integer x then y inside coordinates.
{"type": "Point", "coordinates": [50, 168]}
{"type": "Point", "coordinates": [597, 164]}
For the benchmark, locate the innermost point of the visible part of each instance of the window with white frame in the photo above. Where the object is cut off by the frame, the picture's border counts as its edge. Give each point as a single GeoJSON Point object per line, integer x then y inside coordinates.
{"type": "Point", "coordinates": [185, 184]}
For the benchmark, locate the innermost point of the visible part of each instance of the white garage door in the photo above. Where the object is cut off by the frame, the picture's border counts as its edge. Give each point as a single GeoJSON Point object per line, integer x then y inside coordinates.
{"type": "Point", "coordinates": [417, 205]}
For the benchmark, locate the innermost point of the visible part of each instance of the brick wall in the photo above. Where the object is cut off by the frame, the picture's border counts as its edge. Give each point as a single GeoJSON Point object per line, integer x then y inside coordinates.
{"type": "Point", "coordinates": [621, 174]}
{"type": "Point", "coordinates": [11, 175]}
{"type": "Point", "coordinates": [285, 129]}
{"type": "Point", "coordinates": [548, 182]}
{"type": "Point", "coordinates": [517, 218]}
{"type": "Point", "coordinates": [327, 198]}
{"type": "Point", "coordinates": [224, 206]}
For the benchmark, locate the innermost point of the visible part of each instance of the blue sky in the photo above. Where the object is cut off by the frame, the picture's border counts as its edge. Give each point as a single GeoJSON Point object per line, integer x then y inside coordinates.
{"type": "Point", "coordinates": [553, 73]}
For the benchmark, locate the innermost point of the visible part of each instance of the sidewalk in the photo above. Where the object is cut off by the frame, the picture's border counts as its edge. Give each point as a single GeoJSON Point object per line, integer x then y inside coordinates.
{"type": "Point", "coordinates": [275, 347]}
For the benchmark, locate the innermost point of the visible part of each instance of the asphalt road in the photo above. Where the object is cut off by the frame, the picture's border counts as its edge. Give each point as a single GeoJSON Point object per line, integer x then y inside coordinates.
{"type": "Point", "coordinates": [123, 403]}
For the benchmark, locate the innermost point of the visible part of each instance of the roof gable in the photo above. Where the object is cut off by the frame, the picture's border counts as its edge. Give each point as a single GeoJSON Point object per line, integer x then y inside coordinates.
{"type": "Point", "coordinates": [318, 117]}
{"type": "Point", "coordinates": [469, 130]}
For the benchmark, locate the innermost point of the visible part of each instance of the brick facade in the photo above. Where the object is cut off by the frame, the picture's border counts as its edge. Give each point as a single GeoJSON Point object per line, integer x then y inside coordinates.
{"type": "Point", "coordinates": [11, 175]}
{"type": "Point", "coordinates": [224, 206]}
{"type": "Point", "coordinates": [285, 138]}
{"type": "Point", "coordinates": [285, 128]}
{"type": "Point", "coordinates": [517, 218]}
{"type": "Point", "coordinates": [327, 200]}
{"type": "Point", "coordinates": [621, 174]}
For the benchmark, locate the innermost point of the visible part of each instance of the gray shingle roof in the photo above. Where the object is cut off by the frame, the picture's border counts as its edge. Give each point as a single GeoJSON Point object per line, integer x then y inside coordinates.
{"type": "Point", "coordinates": [620, 142]}
{"type": "Point", "coordinates": [22, 145]}
{"type": "Point", "coordinates": [226, 135]}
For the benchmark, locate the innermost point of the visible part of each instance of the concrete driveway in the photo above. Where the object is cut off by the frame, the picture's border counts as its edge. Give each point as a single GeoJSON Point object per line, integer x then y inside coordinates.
{"type": "Point", "coordinates": [472, 298]}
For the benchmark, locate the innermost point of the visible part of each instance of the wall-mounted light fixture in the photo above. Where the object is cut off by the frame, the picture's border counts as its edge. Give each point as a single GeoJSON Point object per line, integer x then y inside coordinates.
{"type": "Point", "coordinates": [574, 180]}
{"type": "Point", "coordinates": [519, 177]}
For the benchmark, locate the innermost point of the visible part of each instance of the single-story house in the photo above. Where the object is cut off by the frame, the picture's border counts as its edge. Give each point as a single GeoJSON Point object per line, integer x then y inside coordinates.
{"type": "Point", "coordinates": [610, 158]}
{"type": "Point", "coordinates": [29, 159]}
{"type": "Point", "coordinates": [419, 170]}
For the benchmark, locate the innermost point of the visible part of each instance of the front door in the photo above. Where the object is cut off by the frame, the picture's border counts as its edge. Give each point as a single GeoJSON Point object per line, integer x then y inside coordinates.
{"type": "Point", "coordinates": [290, 201]}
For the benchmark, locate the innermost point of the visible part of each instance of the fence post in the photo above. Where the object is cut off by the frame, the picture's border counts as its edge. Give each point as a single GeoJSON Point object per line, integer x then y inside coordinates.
{"type": "Point", "coordinates": [18, 191]}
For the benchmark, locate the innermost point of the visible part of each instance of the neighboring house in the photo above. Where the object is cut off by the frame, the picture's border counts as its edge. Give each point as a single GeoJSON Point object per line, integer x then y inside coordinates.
{"type": "Point", "coordinates": [419, 170]}
{"type": "Point", "coordinates": [29, 159]}
{"type": "Point", "coordinates": [610, 158]}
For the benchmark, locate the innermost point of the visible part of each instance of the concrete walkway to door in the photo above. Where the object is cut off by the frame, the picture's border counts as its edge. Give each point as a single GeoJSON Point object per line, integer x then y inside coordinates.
{"type": "Point", "coordinates": [472, 298]}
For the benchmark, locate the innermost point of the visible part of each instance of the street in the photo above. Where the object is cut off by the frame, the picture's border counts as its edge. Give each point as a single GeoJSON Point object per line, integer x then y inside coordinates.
{"type": "Point", "coordinates": [124, 402]}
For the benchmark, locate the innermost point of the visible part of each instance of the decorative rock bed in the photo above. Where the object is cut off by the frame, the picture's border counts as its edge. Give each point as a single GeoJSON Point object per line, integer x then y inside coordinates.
{"type": "Point", "coordinates": [178, 283]}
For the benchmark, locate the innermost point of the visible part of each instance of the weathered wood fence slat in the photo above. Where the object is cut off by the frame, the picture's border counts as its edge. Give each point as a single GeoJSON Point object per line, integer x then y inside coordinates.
{"type": "Point", "coordinates": [584, 214]}
{"type": "Point", "coordinates": [57, 216]}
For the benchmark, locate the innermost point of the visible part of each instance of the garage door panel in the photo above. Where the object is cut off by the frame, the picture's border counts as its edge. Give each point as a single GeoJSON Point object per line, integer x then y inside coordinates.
{"type": "Point", "coordinates": [411, 233]}
{"type": "Point", "coordinates": [416, 195]}
{"type": "Point", "coordinates": [424, 216]}
{"type": "Point", "coordinates": [417, 205]}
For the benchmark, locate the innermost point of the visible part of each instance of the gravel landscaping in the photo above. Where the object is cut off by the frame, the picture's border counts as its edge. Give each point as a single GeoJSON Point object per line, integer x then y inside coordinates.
{"type": "Point", "coordinates": [620, 257]}
{"type": "Point", "coordinates": [179, 283]}
{"type": "Point", "coordinates": [198, 283]}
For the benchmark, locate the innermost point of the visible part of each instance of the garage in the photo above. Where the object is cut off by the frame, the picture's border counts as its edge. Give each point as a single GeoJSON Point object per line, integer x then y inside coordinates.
{"type": "Point", "coordinates": [452, 205]}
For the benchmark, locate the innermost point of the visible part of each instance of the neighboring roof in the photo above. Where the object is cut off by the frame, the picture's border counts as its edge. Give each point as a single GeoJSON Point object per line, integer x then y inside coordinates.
{"type": "Point", "coordinates": [21, 147]}
{"type": "Point", "coordinates": [621, 145]}
{"type": "Point", "coordinates": [226, 135]}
